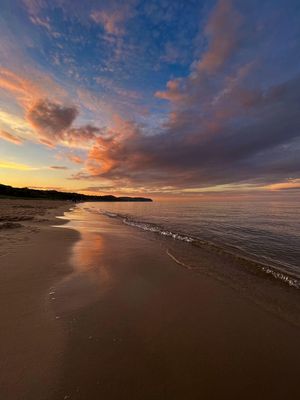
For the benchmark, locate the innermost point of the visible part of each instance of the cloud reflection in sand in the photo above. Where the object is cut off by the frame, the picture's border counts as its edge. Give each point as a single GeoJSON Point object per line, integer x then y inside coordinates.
{"type": "Point", "coordinates": [90, 277]}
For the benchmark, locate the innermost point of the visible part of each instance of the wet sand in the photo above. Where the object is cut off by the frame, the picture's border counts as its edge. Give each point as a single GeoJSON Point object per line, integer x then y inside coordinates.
{"type": "Point", "coordinates": [110, 315]}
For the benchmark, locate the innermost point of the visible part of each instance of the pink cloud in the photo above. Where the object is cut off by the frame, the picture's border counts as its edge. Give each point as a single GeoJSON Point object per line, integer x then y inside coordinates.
{"type": "Point", "coordinates": [174, 91]}
{"type": "Point", "coordinates": [113, 20]}
{"type": "Point", "coordinates": [223, 33]}
{"type": "Point", "coordinates": [26, 90]}
{"type": "Point", "coordinates": [75, 159]}
{"type": "Point", "coordinates": [10, 137]}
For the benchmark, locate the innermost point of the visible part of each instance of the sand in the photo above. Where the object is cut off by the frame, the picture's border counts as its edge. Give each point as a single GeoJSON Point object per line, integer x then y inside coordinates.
{"type": "Point", "coordinates": [102, 312]}
{"type": "Point", "coordinates": [33, 256]}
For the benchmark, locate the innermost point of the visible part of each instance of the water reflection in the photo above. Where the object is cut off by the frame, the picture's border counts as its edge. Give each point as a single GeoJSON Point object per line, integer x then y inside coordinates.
{"type": "Point", "coordinates": [90, 277]}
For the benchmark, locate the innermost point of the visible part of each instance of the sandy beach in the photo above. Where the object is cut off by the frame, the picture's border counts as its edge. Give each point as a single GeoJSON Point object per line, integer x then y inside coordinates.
{"type": "Point", "coordinates": [33, 255]}
{"type": "Point", "coordinates": [94, 309]}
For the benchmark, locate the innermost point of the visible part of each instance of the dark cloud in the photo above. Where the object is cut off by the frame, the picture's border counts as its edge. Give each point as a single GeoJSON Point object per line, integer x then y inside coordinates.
{"type": "Point", "coordinates": [53, 124]}
{"type": "Point", "coordinates": [59, 167]}
{"type": "Point", "coordinates": [228, 122]}
{"type": "Point", "coordinates": [86, 132]}
{"type": "Point", "coordinates": [51, 119]}
{"type": "Point", "coordinates": [261, 141]}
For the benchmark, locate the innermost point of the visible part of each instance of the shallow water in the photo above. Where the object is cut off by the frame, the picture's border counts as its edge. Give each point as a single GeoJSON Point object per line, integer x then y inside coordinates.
{"type": "Point", "coordinates": [268, 232]}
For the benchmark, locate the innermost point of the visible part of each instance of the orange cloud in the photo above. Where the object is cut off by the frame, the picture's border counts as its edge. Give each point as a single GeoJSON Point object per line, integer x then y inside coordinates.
{"type": "Point", "coordinates": [53, 121]}
{"type": "Point", "coordinates": [24, 90]}
{"type": "Point", "coordinates": [74, 158]}
{"type": "Point", "coordinates": [112, 152]}
{"type": "Point", "coordinates": [28, 94]}
{"type": "Point", "coordinates": [10, 138]}
{"type": "Point", "coordinates": [174, 91]}
{"type": "Point", "coordinates": [291, 184]}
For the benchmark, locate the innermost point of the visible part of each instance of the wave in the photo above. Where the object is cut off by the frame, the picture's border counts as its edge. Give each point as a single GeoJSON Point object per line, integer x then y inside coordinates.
{"type": "Point", "coordinates": [159, 230]}
{"type": "Point", "coordinates": [276, 272]}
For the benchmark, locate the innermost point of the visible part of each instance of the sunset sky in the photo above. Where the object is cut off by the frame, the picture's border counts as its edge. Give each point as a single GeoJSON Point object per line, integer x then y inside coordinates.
{"type": "Point", "coordinates": [142, 97]}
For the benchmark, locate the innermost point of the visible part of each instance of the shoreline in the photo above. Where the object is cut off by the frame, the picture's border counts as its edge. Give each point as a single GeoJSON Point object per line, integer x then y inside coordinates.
{"type": "Point", "coordinates": [254, 263]}
{"type": "Point", "coordinates": [250, 278]}
{"type": "Point", "coordinates": [112, 315]}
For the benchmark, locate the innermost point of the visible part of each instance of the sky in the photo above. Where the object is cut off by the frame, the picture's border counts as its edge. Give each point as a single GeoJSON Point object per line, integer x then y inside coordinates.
{"type": "Point", "coordinates": [165, 98]}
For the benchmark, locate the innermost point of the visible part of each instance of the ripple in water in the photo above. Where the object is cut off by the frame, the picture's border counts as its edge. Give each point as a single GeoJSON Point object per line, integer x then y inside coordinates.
{"type": "Point", "coordinates": [266, 232]}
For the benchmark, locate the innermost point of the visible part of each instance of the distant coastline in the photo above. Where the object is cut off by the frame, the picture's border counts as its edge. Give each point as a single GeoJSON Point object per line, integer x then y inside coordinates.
{"type": "Point", "coordinates": [26, 193]}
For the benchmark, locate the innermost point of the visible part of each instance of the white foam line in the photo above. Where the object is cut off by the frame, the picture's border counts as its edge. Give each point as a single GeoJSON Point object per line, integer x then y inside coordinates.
{"type": "Point", "coordinates": [283, 277]}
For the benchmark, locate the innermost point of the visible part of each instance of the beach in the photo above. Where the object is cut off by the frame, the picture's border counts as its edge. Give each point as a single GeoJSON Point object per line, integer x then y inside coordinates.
{"type": "Point", "coordinates": [92, 308]}
{"type": "Point", "coordinates": [33, 255]}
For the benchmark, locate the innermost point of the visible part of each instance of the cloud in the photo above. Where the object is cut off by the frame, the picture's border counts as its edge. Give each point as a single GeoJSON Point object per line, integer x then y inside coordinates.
{"type": "Point", "coordinates": [47, 120]}
{"type": "Point", "coordinates": [27, 90]}
{"type": "Point", "coordinates": [290, 184]}
{"type": "Point", "coordinates": [22, 88]}
{"type": "Point", "coordinates": [51, 118]}
{"type": "Point", "coordinates": [59, 167]}
{"type": "Point", "coordinates": [53, 123]}
{"type": "Point", "coordinates": [34, 6]}
{"type": "Point", "coordinates": [113, 19]}
{"type": "Point", "coordinates": [44, 23]}
{"type": "Point", "coordinates": [224, 126]}
{"type": "Point", "coordinates": [10, 137]}
{"type": "Point", "coordinates": [85, 132]}
{"type": "Point", "coordinates": [224, 34]}
{"type": "Point", "coordinates": [74, 158]}
{"type": "Point", "coordinates": [233, 116]}
{"type": "Point", "coordinates": [221, 30]}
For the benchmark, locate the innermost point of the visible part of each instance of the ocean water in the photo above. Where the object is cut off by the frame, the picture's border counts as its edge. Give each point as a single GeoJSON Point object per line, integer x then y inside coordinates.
{"type": "Point", "coordinates": [265, 232]}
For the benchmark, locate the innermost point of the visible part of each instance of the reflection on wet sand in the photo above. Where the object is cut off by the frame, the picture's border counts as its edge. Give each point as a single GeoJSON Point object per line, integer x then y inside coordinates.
{"type": "Point", "coordinates": [90, 277]}
{"type": "Point", "coordinates": [139, 326]}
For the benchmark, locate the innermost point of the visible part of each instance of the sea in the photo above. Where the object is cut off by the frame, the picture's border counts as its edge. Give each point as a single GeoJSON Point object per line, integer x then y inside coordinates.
{"type": "Point", "coordinates": [267, 232]}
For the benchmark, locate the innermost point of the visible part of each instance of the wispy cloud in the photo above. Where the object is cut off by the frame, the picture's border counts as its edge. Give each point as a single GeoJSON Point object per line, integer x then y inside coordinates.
{"type": "Point", "coordinates": [59, 167]}
{"type": "Point", "coordinates": [27, 90]}
{"type": "Point", "coordinates": [10, 137]}
{"type": "Point", "coordinates": [14, 122]}
{"type": "Point", "coordinates": [113, 18]}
